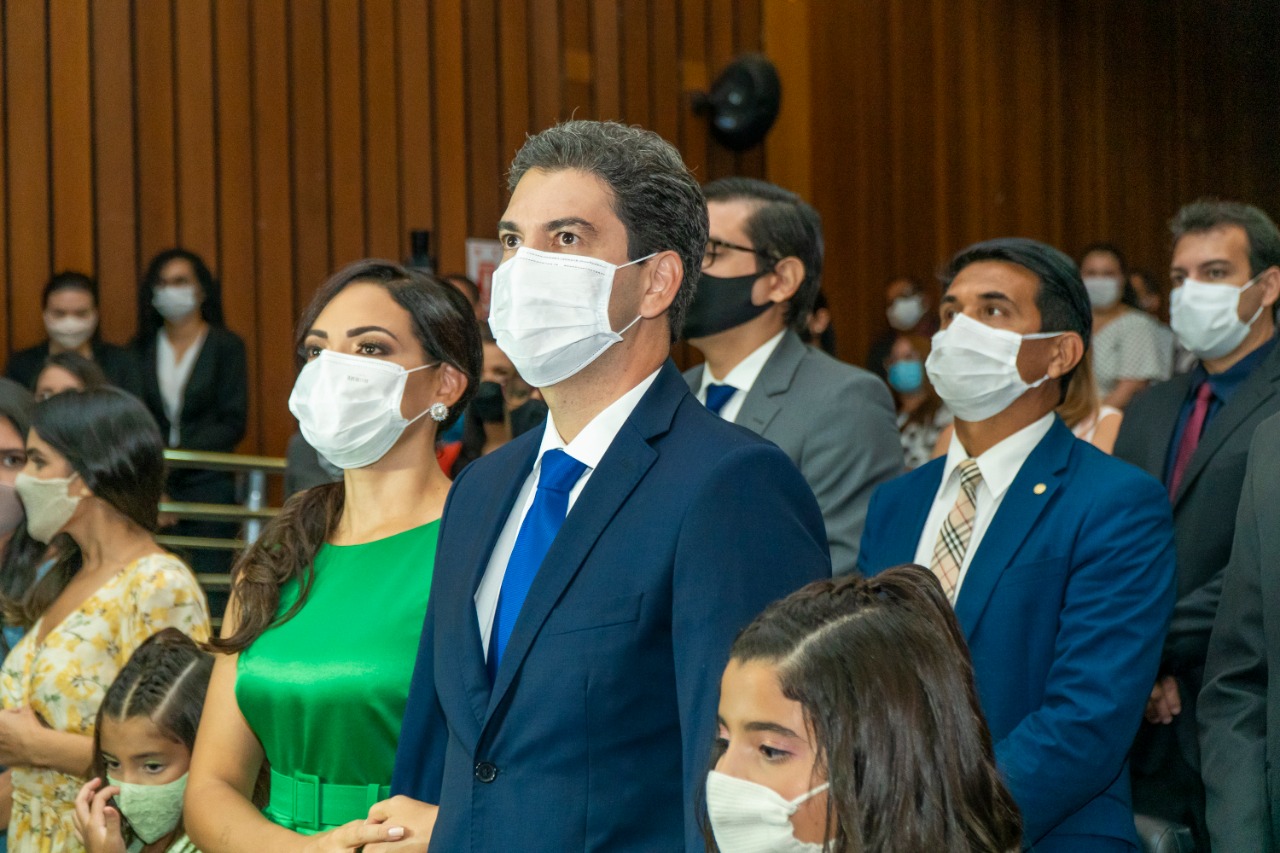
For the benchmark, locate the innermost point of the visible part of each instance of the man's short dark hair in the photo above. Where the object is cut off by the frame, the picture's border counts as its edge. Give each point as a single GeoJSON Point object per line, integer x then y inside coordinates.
{"type": "Point", "coordinates": [654, 194]}
{"type": "Point", "coordinates": [1062, 301]}
{"type": "Point", "coordinates": [1206, 214]}
{"type": "Point", "coordinates": [783, 225]}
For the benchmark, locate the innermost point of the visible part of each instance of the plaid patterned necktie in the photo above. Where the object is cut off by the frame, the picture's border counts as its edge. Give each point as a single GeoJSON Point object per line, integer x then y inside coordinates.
{"type": "Point", "coordinates": [957, 529]}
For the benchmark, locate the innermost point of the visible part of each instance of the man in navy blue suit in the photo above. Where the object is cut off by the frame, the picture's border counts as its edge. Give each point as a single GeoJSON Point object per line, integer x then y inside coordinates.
{"type": "Point", "coordinates": [1059, 559]}
{"type": "Point", "coordinates": [590, 577]}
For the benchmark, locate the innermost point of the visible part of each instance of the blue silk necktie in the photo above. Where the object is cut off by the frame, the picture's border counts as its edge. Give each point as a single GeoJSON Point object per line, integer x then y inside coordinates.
{"type": "Point", "coordinates": [718, 395]}
{"type": "Point", "coordinates": [556, 479]}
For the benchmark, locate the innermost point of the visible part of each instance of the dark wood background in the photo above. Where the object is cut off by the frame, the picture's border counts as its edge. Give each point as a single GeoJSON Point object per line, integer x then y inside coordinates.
{"type": "Point", "coordinates": [283, 138]}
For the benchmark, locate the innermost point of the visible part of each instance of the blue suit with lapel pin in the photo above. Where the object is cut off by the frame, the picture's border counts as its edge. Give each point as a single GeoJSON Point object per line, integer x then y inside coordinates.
{"type": "Point", "coordinates": [1065, 606]}
{"type": "Point", "coordinates": [596, 732]}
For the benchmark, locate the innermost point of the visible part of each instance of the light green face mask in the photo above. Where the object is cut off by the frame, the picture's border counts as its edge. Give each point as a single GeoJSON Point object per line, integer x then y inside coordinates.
{"type": "Point", "coordinates": [152, 810]}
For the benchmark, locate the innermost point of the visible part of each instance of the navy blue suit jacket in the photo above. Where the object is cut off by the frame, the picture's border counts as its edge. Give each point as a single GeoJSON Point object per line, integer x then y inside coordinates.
{"type": "Point", "coordinates": [597, 731]}
{"type": "Point", "coordinates": [1065, 606]}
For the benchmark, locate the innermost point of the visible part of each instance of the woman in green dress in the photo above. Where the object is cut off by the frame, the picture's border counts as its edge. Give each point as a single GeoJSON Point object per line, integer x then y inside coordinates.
{"type": "Point", "coordinates": [319, 640]}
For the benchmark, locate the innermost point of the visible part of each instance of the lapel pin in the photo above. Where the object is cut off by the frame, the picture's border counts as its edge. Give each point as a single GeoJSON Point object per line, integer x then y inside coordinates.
{"type": "Point", "coordinates": [1039, 489]}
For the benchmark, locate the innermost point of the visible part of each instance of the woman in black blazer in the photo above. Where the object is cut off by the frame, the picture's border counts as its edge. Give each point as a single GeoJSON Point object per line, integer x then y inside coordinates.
{"type": "Point", "coordinates": [194, 381]}
{"type": "Point", "coordinates": [70, 303]}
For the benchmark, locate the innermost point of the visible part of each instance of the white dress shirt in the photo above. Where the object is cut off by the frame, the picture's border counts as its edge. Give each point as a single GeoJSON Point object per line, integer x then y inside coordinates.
{"type": "Point", "coordinates": [741, 377]}
{"type": "Point", "coordinates": [999, 466]}
{"type": "Point", "coordinates": [588, 448]}
{"type": "Point", "coordinates": [172, 375]}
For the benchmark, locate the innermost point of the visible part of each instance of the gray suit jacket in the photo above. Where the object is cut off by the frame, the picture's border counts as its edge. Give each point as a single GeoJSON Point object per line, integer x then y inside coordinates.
{"type": "Point", "coordinates": [837, 424]}
{"type": "Point", "coordinates": [1240, 704]}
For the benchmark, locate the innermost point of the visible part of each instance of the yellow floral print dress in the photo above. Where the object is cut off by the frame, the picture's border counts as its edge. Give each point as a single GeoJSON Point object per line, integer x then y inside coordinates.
{"type": "Point", "coordinates": [65, 678]}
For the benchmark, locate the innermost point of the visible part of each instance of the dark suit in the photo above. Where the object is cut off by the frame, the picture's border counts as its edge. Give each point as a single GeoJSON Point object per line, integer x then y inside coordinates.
{"type": "Point", "coordinates": [836, 423]}
{"type": "Point", "coordinates": [1239, 707]}
{"type": "Point", "coordinates": [596, 734]}
{"type": "Point", "coordinates": [1166, 758]}
{"type": "Point", "coordinates": [1064, 607]}
{"type": "Point", "coordinates": [117, 362]}
{"type": "Point", "coordinates": [215, 407]}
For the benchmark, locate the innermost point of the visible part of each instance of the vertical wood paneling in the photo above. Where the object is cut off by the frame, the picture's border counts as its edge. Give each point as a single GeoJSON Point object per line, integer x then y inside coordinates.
{"type": "Point", "coordinates": [273, 217]}
{"type": "Point", "coordinates": [27, 175]}
{"type": "Point", "coordinates": [346, 134]}
{"type": "Point", "coordinates": [195, 136]}
{"type": "Point", "coordinates": [417, 149]}
{"type": "Point", "coordinates": [309, 144]}
{"type": "Point", "coordinates": [283, 138]}
{"type": "Point", "coordinates": [72, 123]}
{"type": "Point", "coordinates": [381, 165]}
{"type": "Point", "coordinates": [157, 145]}
{"type": "Point", "coordinates": [451, 202]}
{"type": "Point", "coordinates": [236, 187]}
{"type": "Point", "coordinates": [486, 161]}
{"type": "Point", "coordinates": [115, 220]}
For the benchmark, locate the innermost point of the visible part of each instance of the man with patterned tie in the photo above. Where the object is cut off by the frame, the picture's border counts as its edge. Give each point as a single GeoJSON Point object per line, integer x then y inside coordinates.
{"type": "Point", "coordinates": [1192, 432]}
{"type": "Point", "coordinates": [760, 277]}
{"type": "Point", "coordinates": [1058, 558]}
{"type": "Point", "coordinates": [592, 575]}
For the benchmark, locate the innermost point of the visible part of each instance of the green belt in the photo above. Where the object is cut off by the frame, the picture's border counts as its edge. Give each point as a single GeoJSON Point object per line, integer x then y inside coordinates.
{"type": "Point", "coordinates": [308, 803]}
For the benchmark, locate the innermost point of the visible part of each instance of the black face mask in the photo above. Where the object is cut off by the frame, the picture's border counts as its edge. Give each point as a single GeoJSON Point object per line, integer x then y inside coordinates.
{"type": "Point", "coordinates": [720, 304]}
{"type": "Point", "coordinates": [488, 405]}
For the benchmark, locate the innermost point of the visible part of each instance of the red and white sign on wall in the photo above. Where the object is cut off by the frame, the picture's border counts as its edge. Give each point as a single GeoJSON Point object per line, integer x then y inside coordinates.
{"type": "Point", "coordinates": [483, 257]}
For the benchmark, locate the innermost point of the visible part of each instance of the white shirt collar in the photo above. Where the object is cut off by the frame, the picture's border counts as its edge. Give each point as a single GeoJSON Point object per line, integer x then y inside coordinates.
{"type": "Point", "coordinates": [590, 445]}
{"type": "Point", "coordinates": [747, 371]}
{"type": "Point", "coordinates": [1001, 463]}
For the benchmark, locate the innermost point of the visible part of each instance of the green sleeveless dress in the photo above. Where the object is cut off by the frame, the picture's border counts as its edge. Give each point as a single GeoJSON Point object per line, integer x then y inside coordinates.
{"type": "Point", "coordinates": [325, 692]}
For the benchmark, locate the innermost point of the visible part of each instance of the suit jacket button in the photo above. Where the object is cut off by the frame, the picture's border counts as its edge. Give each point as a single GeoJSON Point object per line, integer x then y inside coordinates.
{"type": "Point", "coordinates": [486, 772]}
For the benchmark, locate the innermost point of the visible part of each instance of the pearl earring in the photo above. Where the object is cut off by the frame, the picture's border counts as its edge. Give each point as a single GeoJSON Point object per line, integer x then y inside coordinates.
{"type": "Point", "coordinates": [438, 411]}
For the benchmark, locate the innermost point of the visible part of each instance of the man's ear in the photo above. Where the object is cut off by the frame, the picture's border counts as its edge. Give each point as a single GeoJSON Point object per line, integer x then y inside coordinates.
{"type": "Point", "coordinates": [1068, 351]}
{"type": "Point", "coordinates": [666, 272]}
{"type": "Point", "coordinates": [783, 282]}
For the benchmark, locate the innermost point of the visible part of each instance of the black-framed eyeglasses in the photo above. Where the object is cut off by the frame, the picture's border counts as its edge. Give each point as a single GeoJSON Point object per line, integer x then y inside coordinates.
{"type": "Point", "coordinates": [716, 247]}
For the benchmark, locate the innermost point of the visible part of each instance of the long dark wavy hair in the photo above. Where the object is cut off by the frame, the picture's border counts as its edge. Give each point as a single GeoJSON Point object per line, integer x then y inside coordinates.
{"type": "Point", "coordinates": [881, 671]}
{"type": "Point", "coordinates": [149, 319]}
{"type": "Point", "coordinates": [110, 440]}
{"type": "Point", "coordinates": [446, 327]}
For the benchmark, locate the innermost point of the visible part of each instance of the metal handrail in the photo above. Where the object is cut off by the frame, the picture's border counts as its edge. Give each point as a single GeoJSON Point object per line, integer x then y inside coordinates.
{"type": "Point", "coordinates": [211, 461]}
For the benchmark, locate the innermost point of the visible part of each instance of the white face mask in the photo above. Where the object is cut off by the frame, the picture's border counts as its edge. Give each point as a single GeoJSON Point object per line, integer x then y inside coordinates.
{"type": "Point", "coordinates": [905, 312]}
{"type": "Point", "coordinates": [175, 301]}
{"type": "Point", "coordinates": [49, 504]}
{"type": "Point", "coordinates": [1206, 317]}
{"type": "Point", "coordinates": [70, 332]}
{"type": "Point", "coordinates": [747, 817]}
{"type": "Point", "coordinates": [974, 368]}
{"type": "Point", "coordinates": [348, 407]}
{"type": "Point", "coordinates": [550, 313]}
{"type": "Point", "coordinates": [1104, 290]}
{"type": "Point", "coordinates": [153, 811]}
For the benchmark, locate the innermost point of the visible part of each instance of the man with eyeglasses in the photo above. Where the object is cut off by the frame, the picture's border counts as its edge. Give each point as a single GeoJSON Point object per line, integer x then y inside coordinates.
{"type": "Point", "coordinates": [760, 276]}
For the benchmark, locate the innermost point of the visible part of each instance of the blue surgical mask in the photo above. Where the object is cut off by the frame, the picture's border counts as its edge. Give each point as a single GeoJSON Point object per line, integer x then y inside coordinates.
{"type": "Point", "coordinates": [906, 377]}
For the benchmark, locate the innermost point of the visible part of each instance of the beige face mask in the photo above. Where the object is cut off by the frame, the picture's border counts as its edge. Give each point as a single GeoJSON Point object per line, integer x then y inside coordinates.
{"type": "Point", "coordinates": [49, 504]}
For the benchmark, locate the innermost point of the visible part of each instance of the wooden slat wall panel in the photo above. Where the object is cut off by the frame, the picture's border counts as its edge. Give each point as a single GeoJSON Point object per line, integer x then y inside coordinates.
{"type": "Point", "coordinates": [27, 173]}
{"type": "Point", "coordinates": [284, 138]}
{"type": "Point", "coordinates": [71, 119]}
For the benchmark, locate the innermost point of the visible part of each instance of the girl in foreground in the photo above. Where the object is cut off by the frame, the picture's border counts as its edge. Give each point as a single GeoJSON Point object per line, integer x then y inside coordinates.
{"type": "Point", "coordinates": [849, 722]}
{"type": "Point", "coordinates": [142, 749]}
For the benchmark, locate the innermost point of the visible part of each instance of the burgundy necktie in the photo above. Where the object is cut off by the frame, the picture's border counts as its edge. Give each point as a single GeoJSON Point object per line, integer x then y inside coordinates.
{"type": "Point", "coordinates": [1190, 436]}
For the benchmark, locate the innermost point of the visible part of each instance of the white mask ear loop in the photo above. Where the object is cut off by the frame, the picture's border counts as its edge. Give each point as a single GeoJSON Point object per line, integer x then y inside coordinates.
{"type": "Point", "coordinates": [419, 416]}
{"type": "Point", "coordinates": [639, 317]}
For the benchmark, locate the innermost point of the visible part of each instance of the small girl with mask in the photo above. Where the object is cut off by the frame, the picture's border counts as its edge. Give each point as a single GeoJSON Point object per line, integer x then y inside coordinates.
{"type": "Point", "coordinates": [142, 746]}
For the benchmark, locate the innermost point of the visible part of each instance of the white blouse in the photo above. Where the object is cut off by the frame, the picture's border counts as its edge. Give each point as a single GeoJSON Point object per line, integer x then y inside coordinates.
{"type": "Point", "coordinates": [173, 374]}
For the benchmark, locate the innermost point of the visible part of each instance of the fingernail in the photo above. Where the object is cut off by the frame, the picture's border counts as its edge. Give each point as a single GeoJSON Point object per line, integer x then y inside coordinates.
{"type": "Point", "coordinates": [396, 832]}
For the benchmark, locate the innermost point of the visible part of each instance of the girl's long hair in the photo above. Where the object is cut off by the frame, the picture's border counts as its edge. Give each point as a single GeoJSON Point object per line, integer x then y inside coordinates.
{"type": "Point", "coordinates": [881, 671]}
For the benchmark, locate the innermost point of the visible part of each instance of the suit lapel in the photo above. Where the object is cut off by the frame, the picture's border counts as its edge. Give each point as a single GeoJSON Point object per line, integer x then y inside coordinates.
{"type": "Point", "coordinates": [760, 406]}
{"type": "Point", "coordinates": [693, 376]}
{"type": "Point", "coordinates": [917, 502]}
{"type": "Point", "coordinates": [463, 628]}
{"type": "Point", "coordinates": [1255, 391]}
{"type": "Point", "coordinates": [624, 464]}
{"type": "Point", "coordinates": [1017, 515]}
